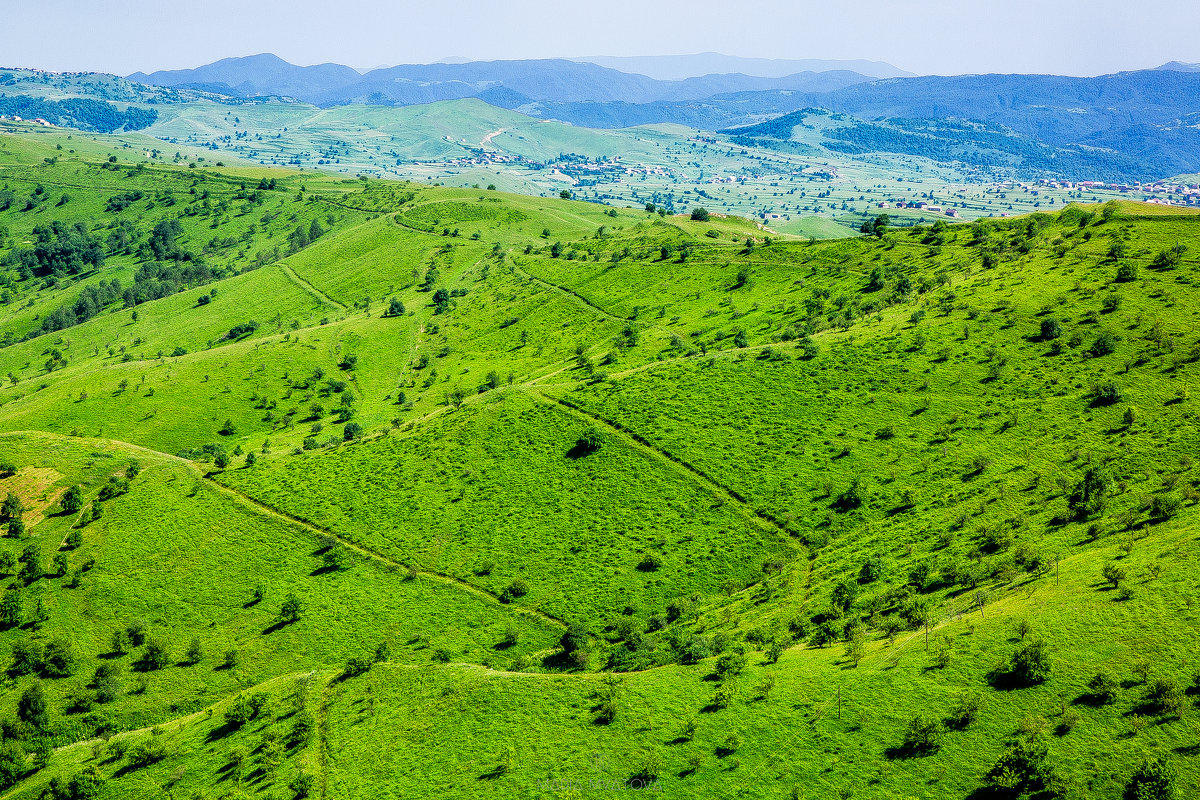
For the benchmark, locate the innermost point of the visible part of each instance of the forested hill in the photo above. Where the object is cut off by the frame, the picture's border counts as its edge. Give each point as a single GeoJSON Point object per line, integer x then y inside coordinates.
{"type": "Point", "coordinates": [84, 114]}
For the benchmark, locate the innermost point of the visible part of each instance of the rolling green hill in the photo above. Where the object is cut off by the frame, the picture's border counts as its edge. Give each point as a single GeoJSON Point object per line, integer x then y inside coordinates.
{"type": "Point", "coordinates": [354, 489]}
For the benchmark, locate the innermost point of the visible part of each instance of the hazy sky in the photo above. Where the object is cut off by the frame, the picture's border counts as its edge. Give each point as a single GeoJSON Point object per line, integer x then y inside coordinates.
{"type": "Point", "coordinates": [923, 36]}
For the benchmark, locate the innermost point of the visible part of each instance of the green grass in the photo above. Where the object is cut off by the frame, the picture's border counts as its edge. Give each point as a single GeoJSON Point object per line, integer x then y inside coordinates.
{"type": "Point", "coordinates": [740, 386]}
{"type": "Point", "coordinates": [443, 506]}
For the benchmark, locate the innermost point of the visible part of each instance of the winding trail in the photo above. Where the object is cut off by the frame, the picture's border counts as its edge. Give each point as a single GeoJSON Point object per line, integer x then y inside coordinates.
{"type": "Point", "coordinates": [639, 442]}
{"type": "Point", "coordinates": [257, 506]}
{"type": "Point", "coordinates": [310, 527]}
{"type": "Point", "coordinates": [302, 283]}
{"type": "Point", "coordinates": [571, 293]}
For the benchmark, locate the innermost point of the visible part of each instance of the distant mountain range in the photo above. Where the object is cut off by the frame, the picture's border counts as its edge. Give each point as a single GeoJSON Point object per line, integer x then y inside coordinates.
{"type": "Point", "coordinates": [1179, 66]}
{"type": "Point", "coordinates": [674, 68]}
{"type": "Point", "coordinates": [505, 83]}
{"type": "Point", "coordinates": [1131, 125]}
{"type": "Point", "coordinates": [1147, 122]}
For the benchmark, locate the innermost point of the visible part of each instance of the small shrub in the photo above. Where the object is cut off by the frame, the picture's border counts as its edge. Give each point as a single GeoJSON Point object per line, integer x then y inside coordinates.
{"type": "Point", "coordinates": [922, 735]}
{"type": "Point", "coordinates": [965, 711]}
{"type": "Point", "coordinates": [518, 588]}
{"type": "Point", "coordinates": [590, 441]}
{"type": "Point", "coordinates": [1155, 779]}
{"type": "Point", "coordinates": [1030, 664]}
{"type": "Point", "coordinates": [1107, 394]}
{"type": "Point", "coordinates": [1103, 687]}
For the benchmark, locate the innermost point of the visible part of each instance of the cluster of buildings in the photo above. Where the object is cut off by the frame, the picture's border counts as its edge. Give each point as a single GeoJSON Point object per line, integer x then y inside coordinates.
{"type": "Point", "coordinates": [1158, 192]}
{"type": "Point", "coordinates": [918, 205]}
{"type": "Point", "coordinates": [35, 120]}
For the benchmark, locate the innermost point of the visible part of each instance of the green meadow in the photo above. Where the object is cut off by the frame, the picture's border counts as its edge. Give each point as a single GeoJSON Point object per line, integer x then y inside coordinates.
{"type": "Point", "coordinates": [355, 488]}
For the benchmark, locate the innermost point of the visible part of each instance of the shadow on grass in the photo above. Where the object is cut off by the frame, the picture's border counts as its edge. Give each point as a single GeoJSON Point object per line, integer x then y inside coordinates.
{"type": "Point", "coordinates": [905, 752]}
{"type": "Point", "coordinates": [277, 626]}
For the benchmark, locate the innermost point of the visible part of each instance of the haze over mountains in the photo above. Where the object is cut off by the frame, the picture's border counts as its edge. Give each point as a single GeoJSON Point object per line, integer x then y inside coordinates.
{"type": "Point", "coordinates": [507, 83]}
{"type": "Point", "coordinates": [1127, 126]}
{"type": "Point", "coordinates": [674, 68]}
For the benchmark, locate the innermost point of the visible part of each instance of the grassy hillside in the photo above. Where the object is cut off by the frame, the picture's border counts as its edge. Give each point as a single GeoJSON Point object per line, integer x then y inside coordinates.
{"type": "Point", "coordinates": [517, 497]}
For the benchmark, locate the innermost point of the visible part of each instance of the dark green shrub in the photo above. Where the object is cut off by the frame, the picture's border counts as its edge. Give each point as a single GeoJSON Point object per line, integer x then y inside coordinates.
{"type": "Point", "coordinates": [518, 588]}
{"type": "Point", "coordinates": [1107, 394]}
{"type": "Point", "coordinates": [590, 441]}
{"type": "Point", "coordinates": [1024, 769]}
{"type": "Point", "coordinates": [922, 735]}
{"type": "Point", "coordinates": [1105, 344]}
{"type": "Point", "coordinates": [1155, 779]}
{"type": "Point", "coordinates": [1030, 664]}
{"type": "Point", "coordinates": [1103, 687]}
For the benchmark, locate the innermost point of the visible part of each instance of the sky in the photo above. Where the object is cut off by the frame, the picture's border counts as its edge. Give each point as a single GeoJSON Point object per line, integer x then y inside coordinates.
{"type": "Point", "coordinates": [924, 36]}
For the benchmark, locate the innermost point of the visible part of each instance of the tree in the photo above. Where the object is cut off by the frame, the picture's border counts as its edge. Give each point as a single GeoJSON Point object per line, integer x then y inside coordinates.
{"type": "Point", "coordinates": [31, 563]}
{"type": "Point", "coordinates": [877, 227]}
{"type": "Point", "coordinates": [155, 656]}
{"type": "Point", "coordinates": [700, 215]}
{"type": "Point", "coordinates": [565, 194]}
{"type": "Point", "coordinates": [26, 657]}
{"type": "Point", "coordinates": [574, 638]}
{"type": "Point", "coordinates": [13, 508]}
{"type": "Point", "coordinates": [1103, 687]}
{"type": "Point", "coordinates": [965, 711]}
{"type": "Point", "coordinates": [83, 785]}
{"type": "Point", "coordinates": [854, 495]}
{"type": "Point", "coordinates": [120, 641]}
{"type": "Point", "coordinates": [856, 645]}
{"type": "Point", "coordinates": [590, 441]}
{"type": "Point", "coordinates": [58, 659]}
{"type": "Point", "coordinates": [352, 431]}
{"type": "Point", "coordinates": [1023, 769]}
{"type": "Point", "coordinates": [146, 752]}
{"type": "Point", "coordinates": [12, 763]}
{"type": "Point", "coordinates": [1155, 779]}
{"type": "Point", "coordinates": [1126, 272]}
{"type": "Point", "coordinates": [1113, 574]}
{"type": "Point", "coordinates": [923, 735]}
{"type": "Point", "coordinates": [194, 653]}
{"type": "Point", "coordinates": [10, 608]}
{"type": "Point", "coordinates": [289, 611]}
{"type": "Point", "coordinates": [107, 681]}
{"type": "Point", "coordinates": [1165, 697]}
{"type": "Point", "coordinates": [1051, 329]}
{"type": "Point", "coordinates": [33, 709]}
{"type": "Point", "coordinates": [396, 307]}
{"type": "Point", "coordinates": [1091, 494]}
{"type": "Point", "coordinates": [72, 499]}
{"type": "Point", "coordinates": [1030, 664]}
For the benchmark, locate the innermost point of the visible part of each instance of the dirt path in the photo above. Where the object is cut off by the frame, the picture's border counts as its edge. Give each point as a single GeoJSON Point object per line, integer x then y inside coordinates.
{"type": "Point", "coordinates": [257, 506]}
{"type": "Point", "coordinates": [487, 140]}
{"type": "Point", "coordinates": [695, 473]}
{"type": "Point", "coordinates": [295, 278]}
